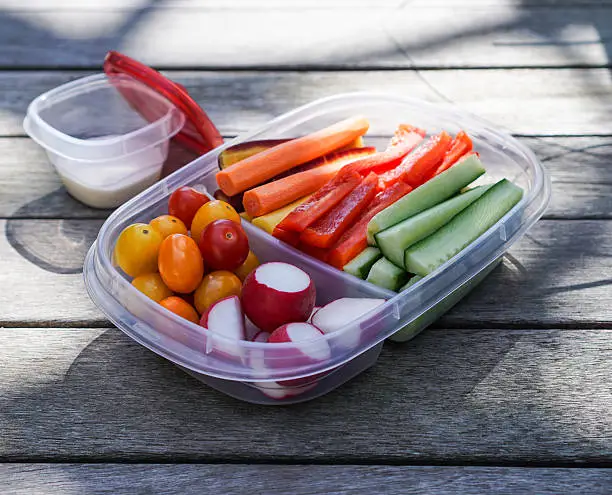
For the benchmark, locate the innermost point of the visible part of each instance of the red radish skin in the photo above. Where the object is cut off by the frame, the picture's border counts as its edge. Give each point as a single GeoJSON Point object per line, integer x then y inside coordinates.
{"type": "Point", "coordinates": [308, 348]}
{"type": "Point", "coordinates": [341, 312]}
{"type": "Point", "coordinates": [225, 318]}
{"type": "Point", "coordinates": [277, 293]}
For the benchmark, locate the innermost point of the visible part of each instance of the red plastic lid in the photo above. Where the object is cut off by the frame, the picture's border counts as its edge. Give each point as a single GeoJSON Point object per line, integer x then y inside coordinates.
{"type": "Point", "coordinates": [199, 133]}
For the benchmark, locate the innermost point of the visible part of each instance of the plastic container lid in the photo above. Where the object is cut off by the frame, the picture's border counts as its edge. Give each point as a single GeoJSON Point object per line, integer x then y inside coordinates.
{"type": "Point", "coordinates": [199, 133]}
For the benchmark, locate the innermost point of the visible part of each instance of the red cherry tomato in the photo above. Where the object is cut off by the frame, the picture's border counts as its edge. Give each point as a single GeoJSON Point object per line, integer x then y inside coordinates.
{"type": "Point", "coordinates": [185, 202]}
{"type": "Point", "coordinates": [224, 245]}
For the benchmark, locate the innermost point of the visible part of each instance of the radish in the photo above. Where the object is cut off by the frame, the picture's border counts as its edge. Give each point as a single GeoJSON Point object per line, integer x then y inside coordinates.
{"type": "Point", "coordinates": [314, 349]}
{"type": "Point", "coordinates": [314, 310]}
{"type": "Point", "coordinates": [275, 390]}
{"type": "Point", "coordinates": [225, 318]}
{"type": "Point", "coordinates": [277, 293]}
{"type": "Point", "coordinates": [339, 313]}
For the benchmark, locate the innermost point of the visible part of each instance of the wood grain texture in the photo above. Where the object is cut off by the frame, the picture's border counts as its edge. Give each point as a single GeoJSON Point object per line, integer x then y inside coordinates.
{"type": "Point", "coordinates": [558, 275]}
{"type": "Point", "coordinates": [463, 396]}
{"type": "Point", "coordinates": [581, 177]}
{"type": "Point", "coordinates": [236, 479]}
{"type": "Point", "coordinates": [526, 102]}
{"type": "Point", "coordinates": [393, 34]}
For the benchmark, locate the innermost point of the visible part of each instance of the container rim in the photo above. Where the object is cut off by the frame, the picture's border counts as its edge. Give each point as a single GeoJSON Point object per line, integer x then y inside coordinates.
{"type": "Point", "coordinates": [539, 191]}
{"type": "Point", "coordinates": [66, 91]}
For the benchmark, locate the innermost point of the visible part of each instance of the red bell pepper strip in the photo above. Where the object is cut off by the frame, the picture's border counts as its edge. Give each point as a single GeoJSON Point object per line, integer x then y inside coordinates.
{"type": "Point", "coordinates": [315, 252]}
{"type": "Point", "coordinates": [328, 229]}
{"type": "Point", "coordinates": [406, 138]}
{"type": "Point", "coordinates": [355, 239]}
{"type": "Point", "coordinates": [461, 145]}
{"type": "Point", "coordinates": [321, 201]}
{"type": "Point", "coordinates": [419, 165]}
{"type": "Point", "coordinates": [288, 236]}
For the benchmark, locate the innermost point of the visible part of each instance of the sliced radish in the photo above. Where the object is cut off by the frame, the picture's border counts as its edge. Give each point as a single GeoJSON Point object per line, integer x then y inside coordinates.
{"type": "Point", "coordinates": [261, 336]}
{"type": "Point", "coordinates": [225, 318]}
{"type": "Point", "coordinates": [339, 313]}
{"type": "Point", "coordinates": [277, 293]}
{"type": "Point", "coordinates": [277, 391]}
{"type": "Point", "coordinates": [314, 310]}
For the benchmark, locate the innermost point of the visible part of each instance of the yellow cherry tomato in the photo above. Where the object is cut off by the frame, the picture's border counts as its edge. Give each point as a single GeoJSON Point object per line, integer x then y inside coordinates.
{"type": "Point", "coordinates": [247, 267]}
{"type": "Point", "coordinates": [167, 225]}
{"type": "Point", "coordinates": [208, 213]}
{"type": "Point", "coordinates": [181, 307]}
{"type": "Point", "coordinates": [152, 285]}
{"type": "Point", "coordinates": [137, 248]}
{"type": "Point", "coordinates": [215, 286]}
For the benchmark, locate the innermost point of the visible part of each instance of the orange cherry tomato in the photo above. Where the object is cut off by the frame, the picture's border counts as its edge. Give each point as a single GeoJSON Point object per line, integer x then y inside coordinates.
{"type": "Point", "coordinates": [208, 213]}
{"type": "Point", "coordinates": [180, 307]}
{"type": "Point", "coordinates": [180, 263]}
{"type": "Point", "coordinates": [248, 266]}
{"type": "Point", "coordinates": [215, 286]}
{"type": "Point", "coordinates": [167, 225]}
{"type": "Point", "coordinates": [137, 249]}
{"type": "Point", "coordinates": [152, 285]}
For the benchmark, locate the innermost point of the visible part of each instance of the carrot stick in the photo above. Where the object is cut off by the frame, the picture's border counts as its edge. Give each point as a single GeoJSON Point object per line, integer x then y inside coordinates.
{"type": "Point", "coordinates": [274, 195]}
{"type": "Point", "coordinates": [355, 240]}
{"type": "Point", "coordinates": [256, 169]}
{"type": "Point", "coordinates": [461, 145]}
{"type": "Point", "coordinates": [321, 201]}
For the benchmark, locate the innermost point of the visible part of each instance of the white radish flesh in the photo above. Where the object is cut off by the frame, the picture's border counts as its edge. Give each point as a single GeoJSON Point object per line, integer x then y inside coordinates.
{"type": "Point", "coordinates": [225, 318]}
{"type": "Point", "coordinates": [341, 312]}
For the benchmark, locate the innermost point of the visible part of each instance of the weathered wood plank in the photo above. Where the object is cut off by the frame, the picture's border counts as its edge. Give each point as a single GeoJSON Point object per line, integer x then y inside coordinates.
{"type": "Point", "coordinates": [536, 102]}
{"type": "Point", "coordinates": [558, 275]}
{"type": "Point", "coordinates": [582, 180]}
{"type": "Point", "coordinates": [393, 35]}
{"type": "Point", "coordinates": [464, 396]}
{"type": "Point", "coordinates": [237, 479]}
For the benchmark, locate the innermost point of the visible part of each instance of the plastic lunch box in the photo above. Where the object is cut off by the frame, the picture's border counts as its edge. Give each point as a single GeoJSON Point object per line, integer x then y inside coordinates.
{"type": "Point", "coordinates": [252, 371]}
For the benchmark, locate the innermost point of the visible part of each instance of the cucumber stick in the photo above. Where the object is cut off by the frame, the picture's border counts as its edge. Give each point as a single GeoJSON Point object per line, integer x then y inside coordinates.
{"type": "Point", "coordinates": [434, 191]}
{"type": "Point", "coordinates": [360, 265]}
{"type": "Point", "coordinates": [428, 254]}
{"type": "Point", "coordinates": [413, 280]}
{"type": "Point", "coordinates": [385, 274]}
{"type": "Point", "coordinates": [395, 240]}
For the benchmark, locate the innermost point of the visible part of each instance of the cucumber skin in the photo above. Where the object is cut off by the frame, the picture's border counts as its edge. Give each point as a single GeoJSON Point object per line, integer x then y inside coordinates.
{"type": "Point", "coordinates": [361, 264]}
{"type": "Point", "coordinates": [385, 274]}
{"type": "Point", "coordinates": [395, 240]}
{"type": "Point", "coordinates": [413, 280]}
{"type": "Point", "coordinates": [446, 184]}
{"type": "Point", "coordinates": [462, 230]}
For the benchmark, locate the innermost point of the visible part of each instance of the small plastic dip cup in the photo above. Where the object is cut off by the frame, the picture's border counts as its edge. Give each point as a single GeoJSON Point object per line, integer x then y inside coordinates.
{"type": "Point", "coordinates": [104, 150]}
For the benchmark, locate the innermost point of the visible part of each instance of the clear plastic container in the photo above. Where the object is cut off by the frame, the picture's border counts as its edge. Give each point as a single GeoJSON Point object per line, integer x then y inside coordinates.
{"type": "Point", "coordinates": [251, 371]}
{"type": "Point", "coordinates": [104, 150]}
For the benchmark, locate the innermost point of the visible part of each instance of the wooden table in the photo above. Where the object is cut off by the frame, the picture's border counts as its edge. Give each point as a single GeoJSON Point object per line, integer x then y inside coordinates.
{"type": "Point", "coordinates": [510, 392]}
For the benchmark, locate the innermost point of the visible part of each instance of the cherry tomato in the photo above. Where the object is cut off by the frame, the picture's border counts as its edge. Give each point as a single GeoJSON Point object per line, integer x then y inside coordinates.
{"type": "Point", "coordinates": [185, 202]}
{"type": "Point", "coordinates": [152, 285]}
{"type": "Point", "coordinates": [137, 248]}
{"type": "Point", "coordinates": [180, 263]}
{"type": "Point", "coordinates": [224, 245]}
{"type": "Point", "coordinates": [211, 211]}
{"type": "Point", "coordinates": [167, 224]}
{"type": "Point", "coordinates": [180, 307]}
{"type": "Point", "coordinates": [248, 266]}
{"type": "Point", "coordinates": [215, 286]}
